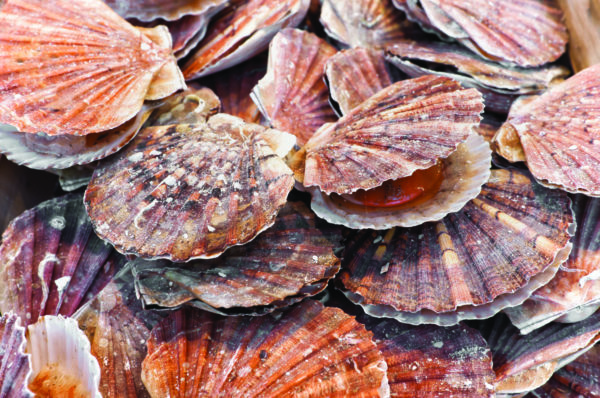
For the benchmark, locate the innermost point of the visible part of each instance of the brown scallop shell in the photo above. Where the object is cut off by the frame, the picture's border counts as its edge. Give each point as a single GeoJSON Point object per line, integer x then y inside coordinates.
{"type": "Point", "coordinates": [292, 96]}
{"type": "Point", "coordinates": [242, 31]}
{"type": "Point", "coordinates": [184, 192]}
{"type": "Point", "coordinates": [169, 10]}
{"type": "Point", "coordinates": [51, 262]}
{"type": "Point", "coordinates": [309, 351]}
{"type": "Point", "coordinates": [194, 105]}
{"type": "Point", "coordinates": [405, 127]}
{"type": "Point", "coordinates": [469, 265]}
{"type": "Point", "coordinates": [15, 364]}
{"type": "Point", "coordinates": [289, 261]}
{"type": "Point", "coordinates": [560, 133]}
{"type": "Point", "coordinates": [72, 67]}
{"type": "Point", "coordinates": [574, 293]}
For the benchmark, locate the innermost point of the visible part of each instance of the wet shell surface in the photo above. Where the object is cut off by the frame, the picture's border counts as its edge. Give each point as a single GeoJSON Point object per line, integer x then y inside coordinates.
{"type": "Point", "coordinates": [15, 364]}
{"type": "Point", "coordinates": [405, 127]}
{"type": "Point", "coordinates": [72, 68]}
{"type": "Point", "coordinates": [193, 105]}
{"type": "Point", "coordinates": [560, 133]}
{"type": "Point", "coordinates": [289, 261]}
{"type": "Point", "coordinates": [241, 32]}
{"type": "Point", "coordinates": [469, 265]}
{"type": "Point", "coordinates": [183, 192]}
{"type": "Point", "coordinates": [169, 10]}
{"type": "Point", "coordinates": [51, 262]}
{"type": "Point", "coordinates": [309, 351]}
{"type": "Point", "coordinates": [292, 96]}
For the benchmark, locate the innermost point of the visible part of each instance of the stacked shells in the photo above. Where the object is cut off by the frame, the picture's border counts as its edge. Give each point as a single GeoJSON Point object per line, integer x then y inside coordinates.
{"type": "Point", "coordinates": [297, 198]}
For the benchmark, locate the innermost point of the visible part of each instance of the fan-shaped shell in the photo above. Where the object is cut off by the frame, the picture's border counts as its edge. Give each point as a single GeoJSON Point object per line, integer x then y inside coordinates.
{"type": "Point", "coordinates": [170, 10]}
{"type": "Point", "coordinates": [289, 261]}
{"type": "Point", "coordinates": [72, 67]}
{"type": "Point", "coordinates": [182, 192]}
{"type": "Point", "coordinates": [309, 351]}
{"type": "Point", "coordinates": [560, 133]}
{"type": "Point", "coordinates": [242, 32]}
{"type": "Point", "coordinates": [405, 127]}
{"type": "Point", "coordinates": [471, 264]}
{"type": "Point", "coordinates": [194, 105]}
{"type": "Point", "coordinates": [15, 364]}
{"type": "Point", "coordinates": [292, 95]}
{"type": "Point", "coordinates": [51, 262]}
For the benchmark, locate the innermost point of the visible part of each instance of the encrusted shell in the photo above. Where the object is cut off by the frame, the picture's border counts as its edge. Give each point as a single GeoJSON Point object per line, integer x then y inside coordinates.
{"type": "Point", "coordinates": [169, 10]}
{"type": "Point", "coordinates": [469, 265]}
{"type": "Point", "coordinates": [51, 262]}
{"type": "Point", "coordinates": [15, 364]}
{"type": "Point", "coordinates": [309, 351]}
{"type": "Point", "coordinates": [194, 105]}
{"type": "Point", "coordinates": [292, 96]}
{"type": "Point", "coordinates": [183, 192]}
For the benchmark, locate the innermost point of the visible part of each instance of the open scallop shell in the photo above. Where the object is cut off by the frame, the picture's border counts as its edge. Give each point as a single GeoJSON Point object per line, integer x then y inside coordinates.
{"type": "Point", "coordinates": [289, 261]}
{"type": "Point", "coordinates": [72, 68]}
{"type": "Point", "coordinates": [15, 364]}
{"type": "Point", "coordinates": [574, 293]}
{"type": "Point", "coordinates": [194, 105]}
{"type": "Point", "coordinates": [292, 96]}
{"type": "Point", "coordinates": [184, 192]}
{"type": "Point", "coordinates": [51, 262]}
{"type": "Point", "coordinates": [405, 127]}
{"type": "Point", "coordinates": [560, 134]}
{"type": "Point", "coordinates": [469, 265]}
{"type": "Point", "coordinates": [309, 351]}
{"type": "Point", "coordinates": [241, 32]}
{"type": "Point", "coordinates": [61, 361]}
{"type": "Point", "coordinates": [169, 10]}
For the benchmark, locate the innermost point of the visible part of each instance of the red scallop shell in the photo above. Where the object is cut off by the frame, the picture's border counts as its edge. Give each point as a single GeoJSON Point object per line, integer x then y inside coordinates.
{"type": "Point", "coordinates": [15, 364]}
{"type": "Point", "coordinates": [169, 10]}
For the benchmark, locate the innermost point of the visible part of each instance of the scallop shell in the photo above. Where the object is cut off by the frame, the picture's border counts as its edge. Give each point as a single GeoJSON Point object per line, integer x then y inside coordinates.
{"type": "Point", "coordinates": [469, 265]}
{"type": "Point", "coordinates": [574, 293]}
{"type": "Point", "coordinates": [525, 362]}
{"type": "Point", "coordinates": [356, 74]}
{"type": "Point", "coordinates": [118, 329]}
{"type": "Point", "coordinates": [309, 351]}
{"type": "Point", "coordinates": [169, 10]}
{"type": "Point", "coordinates": [91, 74]}
{"type": "Point", "coordinates": [292, 96]}
{"type": "Point", "coordinates": [428, 360]}
{"type": "Point", "coordinates": [194, 105]}
{"type": "Point", "coordinates": [242, 32]}
{"type": "Point", "coordinates": [15, 364]}
{"type": "Point", "coordinates": [52, 262]}
{"type": "Point", "coordinates": [560, 133]}
{"type": "Point", "coordinates": [187, 32]}
{"type": "Point", "coordinates": [289, 261]}
{"type": "Point", "coordinates": [405, 127]}
{"type": "Point", "coordinates": [414, 12]}
{"type": "Point", "coordinates": [61, 361]}
{"type": "Point", "coordinates": [73, 178]}
{"type": "Point", "coordinates": [184, 192]}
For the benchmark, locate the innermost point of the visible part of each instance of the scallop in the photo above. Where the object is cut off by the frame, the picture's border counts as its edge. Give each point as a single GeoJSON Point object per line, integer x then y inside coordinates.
{"type": "Point", "coordinates": [15, 363]}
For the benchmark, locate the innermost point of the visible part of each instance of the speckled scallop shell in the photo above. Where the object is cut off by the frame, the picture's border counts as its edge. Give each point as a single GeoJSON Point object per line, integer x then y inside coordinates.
{"type": "Point", "coordinates": [169, 10]}
{"type": "Point", "coordinates": [525, 362]}
{"type": "Point", "coordinates": [15, 364]}
{"type": "Point", "coordinates": [183, 192]}
{"type": "Point", "coordinates": [469, 265]}
{"type": "Point", "coordinates": [356, 74]}
{"type": "Point", "coordinates": [51, 262]}
{"type": "Point", "coordinates": [91, 74]}
{"type": "Point", "coordinates": [560, 133]}
{"type": "Point", "coordinates": [428, 360]}
{"type": "Point", "coordinates": [405, 127]}
{"type": "Point", "coordinates": [309, 351]}
{"type": "Point", "coordinates": [574, 293]}
{"type": "Point", "coordinates": [292, 96]}
{"type": "Point", "coordinates": [118, 328]}
{"type": "Point", "coordinates": [289, 261]}
{"type": "Point", "coordinates": [194, 105]}
{"type": "Point", "coordinates": [241, 32]}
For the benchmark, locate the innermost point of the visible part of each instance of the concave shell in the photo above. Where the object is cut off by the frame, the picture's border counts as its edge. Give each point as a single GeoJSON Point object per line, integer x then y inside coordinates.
{"type": "Point", "coordinates": [574, 293]}
{"type": "Point", "coordinates": [405, 127]}
{"type": "Point", "coordinates": [356, 74]}
{"type": "Point", "coordinates": [429, 360]}
{"type": "Point", "coordinates": [465, 171]}
{"type": "Point", "coordinates": [292, 96]}
{"type": "Point", "coordinates": [183, 192]}
{"type": "Point", "coordinates": [309, 351]}
{"type": "Point", "coordinates": [560, 133]}
{"type": "Point", "coordinates": [118, 328]}
{"type": "Point", "coordinates": [15, 364]}
{"type": "Point", "coordinates": [242, 31]}
{"type": "Point", "coordinates": [187, 32]}
{"type": "Point", "coordinates": [469, 265]}
{"type": "Point", "coordinates": [193, 105]}
{"type": "Point", "coordinates": [51, 262]}
{"type": "Point", "coordinates": [72, 67]}
{"type": "Point", "coordinates": [289, 261]}
{"type": "Point", "coordinates": [364, 23]}
{"type": "Point", "coordinates": [169, 10]}
{"type": "Point", "coordinates": [61, 361]}
{"type": "Point", "coordinates": [525, 362]}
